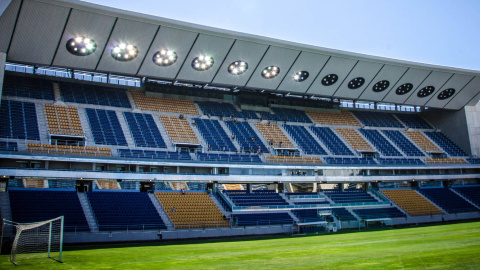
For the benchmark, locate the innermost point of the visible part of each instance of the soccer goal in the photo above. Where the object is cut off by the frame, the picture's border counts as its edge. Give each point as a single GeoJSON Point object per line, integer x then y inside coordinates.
{"type": "Point", "coordinates": [36, 240]}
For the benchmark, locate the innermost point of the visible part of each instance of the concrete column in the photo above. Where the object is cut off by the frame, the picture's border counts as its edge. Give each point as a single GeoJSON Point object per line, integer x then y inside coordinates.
{"type": "Point", "coordinates": [3, 57]}
{"type": "Point", "coordinates": [249, 188]}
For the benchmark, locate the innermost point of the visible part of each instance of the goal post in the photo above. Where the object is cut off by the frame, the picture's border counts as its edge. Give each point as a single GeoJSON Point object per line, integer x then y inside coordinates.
{"type": "Point", "coordinates": [37, 239]}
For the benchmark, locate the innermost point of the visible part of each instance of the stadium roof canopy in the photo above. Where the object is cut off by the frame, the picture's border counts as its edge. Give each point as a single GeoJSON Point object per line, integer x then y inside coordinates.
{"type": "Point", "coordinates": [43, 32]}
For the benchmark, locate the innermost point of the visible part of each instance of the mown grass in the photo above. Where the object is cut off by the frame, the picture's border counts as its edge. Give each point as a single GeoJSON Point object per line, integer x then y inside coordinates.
{"type": "Point", "coordinates": [451, 246]}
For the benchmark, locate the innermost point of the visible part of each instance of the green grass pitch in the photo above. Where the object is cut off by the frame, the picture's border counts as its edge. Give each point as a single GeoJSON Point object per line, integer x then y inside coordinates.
{"type": "Point", "coordinates": [450, 246]}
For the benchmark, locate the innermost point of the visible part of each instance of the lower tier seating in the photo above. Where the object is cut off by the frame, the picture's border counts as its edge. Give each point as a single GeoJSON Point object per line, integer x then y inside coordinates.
{"type": "Point", "coordinates": [349, 196]}
{"type": "Point", "coordinates": [307, 215]}
{"type": "Point", "coordinates": [256, 198]}
{"type": "Point", "coordinates": [350, 161]}
{"type": "Point", "coordinates": [342, 214]}
{"type": "Point", "coordinates": [8, 146]}
{"type": "Point", "coordinates": [400, 161]}
{"type": "Point", "coordinates": [68, 150]}
{"type": "Point", "coordinates": [472, 193]}
{"type": "Point", "coordinates": [228, 158]}
{"type": "Point", "coordinates": [261, 219]}
{"type": "Point", "coordinates": [412, 202]}
{"type": "Point", "coordinates": [150, 154]}
{"type": "Point", "coordinates": [373, 213]}
{"type": "Point", "coordinates": [434, 161]}
{"type": "Point", "coordinates": [293, 160]}
{"type": "Point", "coordinates": [448, 200]}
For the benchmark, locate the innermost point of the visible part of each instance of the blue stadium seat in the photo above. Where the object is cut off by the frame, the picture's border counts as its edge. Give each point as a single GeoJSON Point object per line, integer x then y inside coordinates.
{"type": "Point", "coordinates": [149, 154]}
{"type": "Point", "coordinates": [105, 127]}
{"type": "Point", "coordinates": [349, 196]}
{"type": "Point", "coordinates": [144, 130]}
{"type": "Point", "coordinates": [448, 200]}
{"type": "Point", "coordinates": [384, 146]}
{"type": "Point", "coordinates": [305, 140]}
{"type": "Point", "coordinates": [94, 94]}
{"type": "Point", "coordinates": [330, 139]}
{"type": "Point", "coordinates": [225, 110]}
{"type": "Point", "coordinates": [288, 115]}
{"type": "Point", "coordinates": [210, 157]}
{"type": "Point", "coordinates": [472, 193]}
{"type": "Point", "coordinates": [21, 86]}
{"type": "Point", "coordinates": [214, 135]}
{"type": "Point", "coordinates": [18, 120]}
{"type": "Point", "coordinates": [262, 219]}
{"type": "Point", "coordinates": [246, 136]}
{"type": "Point", "coordinates": [400, 161]}
{"type": "Point", "coordinates": [377, 119]}
{"type": "Point", "coordinates": [374, 213]}
{"type": "Point", "coordinates": [8, 146]}
{"type": "Point", "coordinates": [443, 141]}
{"type": "Point", "coordinates": [350, 161]}
{"type": "Point", "coordinates": [403, 143]}
{"type": "Point", "coordinates": [257, 198]}
{"type": "Point", "coordinates": [413, 121]}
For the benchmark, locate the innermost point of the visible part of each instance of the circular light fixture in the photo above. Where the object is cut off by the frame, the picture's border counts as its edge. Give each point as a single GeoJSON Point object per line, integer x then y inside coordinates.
{"type": "Point", "coordinates": [356, 83]}
{"type": "Point", "coordinates": [330, 79]}
{"type": "Point", "coordinates": [446, 93]}
{"type": "Point", "coordinates": [202, 62]}
{"type": "Point", "coordinates": [237, 67]}
{"type": "Point", "coordinates": [270, 72]}
{"type": "Point", "coordinates": [426, 91]}
{"type": "Point", "coordinates": [301, 76]}
{"type": "Point", "coordinates": [404, 88]}
{"type": "Point", "coordinates": [81, 46]}
{"type": "Point", "coordinates": [381, 86]}
{"type": "Point", "coordinates": [164, 58]}
{"type": "Point", "coordinates": [124, 52]}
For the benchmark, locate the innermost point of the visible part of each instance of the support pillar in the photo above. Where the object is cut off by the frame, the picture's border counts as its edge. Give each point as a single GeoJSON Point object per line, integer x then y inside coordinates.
{"type": "Point", "coordinates": [249, 188]}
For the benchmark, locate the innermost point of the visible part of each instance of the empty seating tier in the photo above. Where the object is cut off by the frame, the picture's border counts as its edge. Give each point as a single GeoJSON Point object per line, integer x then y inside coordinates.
{"type": "Point", "coordinates": [342, 214]}
{"type": "Point", "coordinates": [246, 136]}
{"type": "Point", "coordinates": [435, 161]}
{"type": "Point", "coordinates": [105, 127]}
{"type": "Point", "coordinates": [58, 183]}
{"type": "Point", "coordinates": [233, 187]}
{"type": "Point", "coordinates": [274, 135]}
{"type": "Point", "coordinates": [256, 198]}
{"type": "Point", "coordinates": [350, 161]}
{"type": "Point", "coordinates": [376, 138]}
{"type": "Point", "coordinates": [8, 146]}
{"type": "Point", "coordinates": [261, 219]}
{"type": "Point", "coordinates": [472, 193]}
{"type": "Point", "coordinates": [224, 110]}
{"type": "Point", "coordinates": [307, 215]}
{"type": "Point", "coordinates": [305, 140]}
{"type": "Point", "coordinates": [34, 205]}
{"type": "Point", "coordinates": [349, 196]}
{"type": "Point", "coordinates": [214, 135]}
{"type": "Point", "coordinates": [162, 104]}
{"type": "Point", "coordinates": [191, 210]}
{"type": "Point", "coordinates": [179, 130]}
{"type": "Point", "coordinates": [34, 183]}
{"type": "Point", "coordinates": [376, 213]}
{"type": "Point", "coordinates": [377, 119]}
{"type": "Point", "coordinates": [28, 87]}
{"type": "Point", "coordinates": [330, 139]}
{"type": "Point", "coordinates": [209, 157]}
{"type": "Point", "coordinates": [443, 141]}
{"type": "Point", "coordinates": [94, 94]}
{"type": "Point", "coordinates": [18, 120]}
{"type": "Point", "coordinates": [403, 143]}
{"type": "Point", "coordinates": [412, 202]}
{"type": "Point", "coordinates": [144, 131]}
{"type": "Point", "coordinates": [63, 120]}
{"type": "Point", "coordinates": [68, 150]}
{"type": "Point", "coordinates": [290, 115]}
{"type": "Point", "coordinates": [357, 142]}
{"type": "Point", "coordinates": [293, 160]}
{"type": "Point", "coordinates": [413, 121]}
{"type": "Point", "coordinates": [150, 154]}
{"type": "Point", "coordinates": [400, 161]}
{"type": "Point", "coordinates": [448, 200]}
{"type": "Point", "coordinates": [107, 184]}
{"type": "Point", "coordinates": [344, 118]}
{"type": "Point", "coordinates": [423, 142]}
{"type": "Point", "coordinates": [116, 210]}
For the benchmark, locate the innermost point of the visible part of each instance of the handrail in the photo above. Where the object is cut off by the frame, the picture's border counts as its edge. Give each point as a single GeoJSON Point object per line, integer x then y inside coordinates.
{"type": "Point", "coordinates": [305, 206]}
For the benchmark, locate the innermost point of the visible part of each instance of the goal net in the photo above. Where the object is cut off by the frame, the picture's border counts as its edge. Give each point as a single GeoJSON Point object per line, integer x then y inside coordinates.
{"type": "Point", "coordinates": [37, 240]}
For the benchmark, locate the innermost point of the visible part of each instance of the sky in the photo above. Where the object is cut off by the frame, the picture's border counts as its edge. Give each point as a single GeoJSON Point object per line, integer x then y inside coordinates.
{"type": "Point", "coordinates": [439, 32]}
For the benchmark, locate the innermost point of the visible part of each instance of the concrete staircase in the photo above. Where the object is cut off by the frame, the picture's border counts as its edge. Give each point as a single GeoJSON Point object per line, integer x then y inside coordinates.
{"type": "Point", "coordinates": [353, 213]}
{"type": "Point", "coordinates": [465, 198]}
{"type": "Point", "coordinates": [163, 132]}
{"type": "Point", "coordinates": [425, 197]}
{"type": "Point", "coordinates": [56, 93]}
{"type": "Point", "coordinates": [131, 100]}
{"type": "Point", "coordinates": [344, 141]}
{"type": "Point", "coordinates": [293, 217]}
{"type": "Point", "coordinates": [125, 129]}
{"type": "Point", "coordinates": [319, 141]}
{"type": "Point", "coordinates": [290, 138]}
{"type": "Point", "coordinates": [87, 210]}
{"type": "Point", "coordinates": [197, 133]}
{"type": "Point", "coordinates": [281, 194]}
{"type": "Point", "coordinates": [42, 124]}
{"type": "Point", "coordinates": [393, 144]}
{"type": "Point", "coordinates": [160, 211]}
{"type": "Point", "coordinates": [259, 134]}
{"type": "Point", "coordinates": [6, 212]}
{"type": "Point", "coordinates": [219, 205]}
{"type": "Point", "coordinates": [230, 134]}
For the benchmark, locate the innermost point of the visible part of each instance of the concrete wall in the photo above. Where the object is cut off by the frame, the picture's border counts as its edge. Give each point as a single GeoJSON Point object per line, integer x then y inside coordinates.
{"type": "Point", "coordinates": [473, 124]}
{"type": "Point", "coordinates": [3, 57]}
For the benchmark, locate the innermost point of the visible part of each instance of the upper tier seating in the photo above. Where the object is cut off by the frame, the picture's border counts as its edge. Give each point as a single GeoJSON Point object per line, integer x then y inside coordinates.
{"type": "Point", "coordinates": [350, 161]}
{"type": "Point", "coordinates": [470, 160]}
{"type": "Point", "coordinates": [384, 146]}
{"type": "Point", "coordinates": [214, 135]}
{"type": "Point", "coordinates": [8, 146]}
{"type": "Point", "coordinates": [257, 198]}
{"type": "Point", "coordinates": [63, 120]}
{"type": "Point", "coordinates": [246, 136]}
{"type": "Point", "coordinates": [68, 150]}
{"type": "Point", "coordinates": [413, 121]}
{"type": "Point", "coordinates": [377, 119]}
{"type": "Point", "coordinates": [357, 142]}
{"type": "Point", "coordinates": [286, 115]}
{"type": "Point", "coordinates": [374, 213]}
{"type": "Point", "coordinates": [105, 127]}
{"type": "Point", "coordinates": [209, 157]}
{"type": "Point", "coordinates": [108, 184]}
{"type": "Point", "coordinates": [144, 131]}
{"type": "Point", "coordinates": [224, 110]}
{"type": "Point", "coordinates": [233, 187]}
{"type": "Point", "coordinates": [18, 120]}
{"type": "Point", "coordinates": [305, 140]}
{"type": "Point", "coordinates": [197, 186]}
{"type": "Point", "coordinates": [192, 210]}
{"type": "Point", "coordinates": [59, 183]}
{"type": "Point", "coordinates": [179, 130]}
{"type": "Point", "coordinates": [448, 200]}
{"type": "Point", "coordinates": [403, 143]}
{"type": "Point", "coordinates": [117, 210]}
{"type": "Point", "coordinates": [149, 154]}
{"type": "Point", "coordinates": [94, 94]}
{"type": "Point", "coordinates": [344, 118]}
{"type": "Point", "coordinates": [259, 219]}
{"type": "Point", "coordinates": [293, 160]}
{"type": "Point", "coordinates": [274, 135]}
{"type": "Point", "coordinates": [443, 141]}
{"type": "Point", "coordinates": [423, 142]}
{"type": "Point", "coordinates": [28, 87]}
{"type": "Point", "coordinates": [153, 103]}
{"type": "Point", "coordinates": [32, 205]}
{"type": "Point", "coordinates": [435, 161]}
{"type": "Point", "coordinates": [400, 161]}
{"type": "Point", "coordinates": [412, 202]}
{"type": "Point", "coordinates": [349, 196]}
{"type": "Point", "coordinates": [34, 183]}
{"type": "Point", "coordinates": [472, 193]}
{"type": "Point", "coordinates": [330, 139]}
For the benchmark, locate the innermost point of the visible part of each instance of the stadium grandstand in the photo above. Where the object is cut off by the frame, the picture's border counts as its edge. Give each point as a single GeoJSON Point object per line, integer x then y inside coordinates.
{"type": "Point", "coordinates": [133, 126]}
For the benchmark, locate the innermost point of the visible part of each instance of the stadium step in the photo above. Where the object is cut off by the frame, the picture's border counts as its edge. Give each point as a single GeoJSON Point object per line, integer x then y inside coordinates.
{"type": "Point", "coordinates": [5, 212]}
{"type": "Point", "coordinates": [229, 134]}
{"type": "Point", "coordinates": [86, 127]}
{"type": "Point", "coordinates": [56, 92]}
{"type": "Point", "coordinates": [294, 143]}
{"type": "Point", "coordinates": [465, 198]}
{"type": "Point", "coordinates": [293, 217]}
{"type": "Point", "coordinates": [200, 138]}
{"type": "Point", "coordinates": [281, 194]}
{"type": "Point", "coordinates": [344, 141]}
{"type": "Point", "coordinates": [87, 210]}
{"type": "Point", "coordinates": [160, 211]}
{"type": "Point", "coordinates": [163, 132]}
{"type": "Point", "coordinates": [219, 205]}
{"type": "Point", "coordinates": [425, 197]}
{"type": "Point", "coordinates": [125, 129]}
{"type": "Point", "coordinates": [42, 123]}
{"type": "Point", "coordinates": [131, 100]}
{"type": "Point", "coordinates": [318, 140]}
{"type": "Point", "coordinates": [264, 141]}
{"type": "Point", "coordinates": [353, 213]}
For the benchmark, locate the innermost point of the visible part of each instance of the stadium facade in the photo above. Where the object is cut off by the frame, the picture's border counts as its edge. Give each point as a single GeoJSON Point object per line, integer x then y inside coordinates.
{"type": "Point", "coordinates": [130, 125]}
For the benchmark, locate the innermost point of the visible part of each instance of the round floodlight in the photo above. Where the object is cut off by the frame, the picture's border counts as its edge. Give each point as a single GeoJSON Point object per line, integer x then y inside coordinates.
{"type": "Point", "coordinates": [404, 88]}
{"type": "Point", "coordinates": [426, 91]}
{"type": "Point", "coordinates": [356, 83]}
{"type": "Point", "coordinates": [202, 62]}
{"type": "Point", "coordinates": [301, 76]}
{"type": "Point", "coordinates": [81, 46]}
{"type": "Point", "coordinates": [164, 58]}
{"type": "Point", "coordinates": [124, 52]}
{"type": "Point", "coordinates": [270, 72]}
{"type": "Point", "coordinates": [237, 67]}
{"type": "Point", "coordinates": [330, 79]}
{"type": "Point", "coordinates": [446, 93]}
{"type": "Point", "coordinates": [381, 86]}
